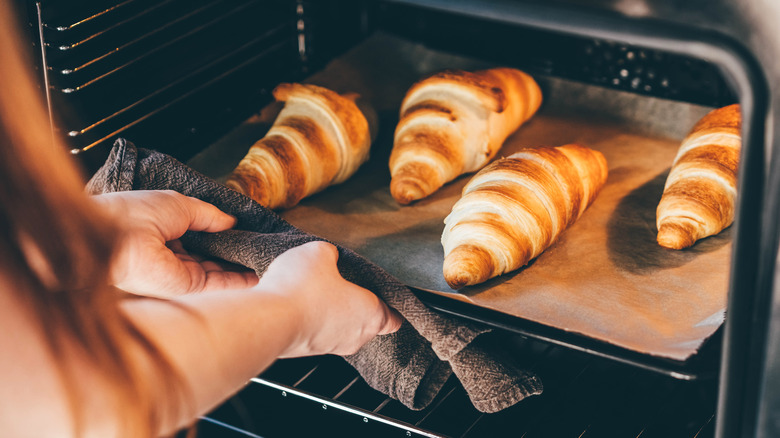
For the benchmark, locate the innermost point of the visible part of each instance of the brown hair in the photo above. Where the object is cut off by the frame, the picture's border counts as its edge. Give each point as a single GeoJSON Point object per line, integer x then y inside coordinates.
{"type": "Point", "coordinates": [56, 248]}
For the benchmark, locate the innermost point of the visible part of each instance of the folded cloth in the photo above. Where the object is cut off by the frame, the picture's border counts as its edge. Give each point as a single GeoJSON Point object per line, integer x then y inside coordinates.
{"type": "Point", "coordinates": [410, 365]}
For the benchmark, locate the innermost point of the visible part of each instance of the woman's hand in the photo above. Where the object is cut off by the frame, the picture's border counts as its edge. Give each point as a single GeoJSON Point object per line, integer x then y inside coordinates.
{"type": "Point", "coordinates": [330, 315]}
{"type": "Point", "coordinates": [336, 316]}
{"type": "Point", "coordinates": [151, 260]}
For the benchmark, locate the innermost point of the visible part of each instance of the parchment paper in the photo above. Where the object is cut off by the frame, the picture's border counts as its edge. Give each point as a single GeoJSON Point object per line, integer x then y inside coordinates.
{"type": "Point", "coordinates": [605, 277]}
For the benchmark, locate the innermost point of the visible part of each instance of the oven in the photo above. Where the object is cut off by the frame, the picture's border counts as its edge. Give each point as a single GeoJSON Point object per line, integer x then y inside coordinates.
{"type": "Point", "coordinates": [192, 79]}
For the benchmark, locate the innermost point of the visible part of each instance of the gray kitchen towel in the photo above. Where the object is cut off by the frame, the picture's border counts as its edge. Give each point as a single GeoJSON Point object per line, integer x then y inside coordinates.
{"type": "Point", "coordinates": [410, 365]}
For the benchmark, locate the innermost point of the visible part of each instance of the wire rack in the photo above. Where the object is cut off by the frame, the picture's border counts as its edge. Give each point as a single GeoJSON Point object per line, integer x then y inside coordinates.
{"type": "Point", "coordinates": [584, 396]}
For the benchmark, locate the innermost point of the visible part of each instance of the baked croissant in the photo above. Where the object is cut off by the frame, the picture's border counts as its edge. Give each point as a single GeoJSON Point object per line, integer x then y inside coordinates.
{"type": "Point", "coordinates": [700, 191]}
{"type": "Point", "coordinates": [453, 123]}
{"type": "Point", "coordinates": [515, 208]}
{"type": "Point", "coordinates": [320, 138]}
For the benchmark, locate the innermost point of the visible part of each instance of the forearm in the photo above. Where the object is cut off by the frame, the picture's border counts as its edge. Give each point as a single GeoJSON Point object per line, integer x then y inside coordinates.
{"type": "Point", "coordinates": [217, 341]}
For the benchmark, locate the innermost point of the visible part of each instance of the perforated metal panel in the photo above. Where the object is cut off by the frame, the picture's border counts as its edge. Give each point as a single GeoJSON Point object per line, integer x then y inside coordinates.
{"type": "Point", "coordinates": [540, 52]}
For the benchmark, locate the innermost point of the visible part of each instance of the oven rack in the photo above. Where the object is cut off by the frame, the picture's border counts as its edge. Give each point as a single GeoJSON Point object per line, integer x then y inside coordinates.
{"type": "Point", "coordinates": [324, 396]}
{"type": "Point", "coordinates": [92, 63]}
{"type": "Point", "coordinates": [174, 74]}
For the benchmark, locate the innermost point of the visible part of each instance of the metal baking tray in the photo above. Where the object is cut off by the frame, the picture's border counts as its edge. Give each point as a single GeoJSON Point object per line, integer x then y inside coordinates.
{"type": "Point", "coordinates": [604, 287]}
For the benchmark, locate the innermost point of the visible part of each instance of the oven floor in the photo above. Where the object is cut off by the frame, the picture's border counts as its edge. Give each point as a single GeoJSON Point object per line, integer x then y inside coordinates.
{"type": "Point", "coordinates": [584, 396]}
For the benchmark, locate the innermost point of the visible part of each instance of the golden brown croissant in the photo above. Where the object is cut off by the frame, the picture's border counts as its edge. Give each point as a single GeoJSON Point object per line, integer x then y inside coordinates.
{"type": "Point", "coordinates": [699, 195]}
{"type": "Point", "coordinates": [515, 208]}
{"type": "Point", "coordinates": [454, 122]}
{"type": "Point", "coordinates": [320, 138]}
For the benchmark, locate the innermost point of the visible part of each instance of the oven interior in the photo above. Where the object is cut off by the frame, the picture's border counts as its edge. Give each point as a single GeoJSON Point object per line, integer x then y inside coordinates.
{"type": "Point", "coordinates": [177, 75]}
{"type": "Point", "coordinates": [181, 76]}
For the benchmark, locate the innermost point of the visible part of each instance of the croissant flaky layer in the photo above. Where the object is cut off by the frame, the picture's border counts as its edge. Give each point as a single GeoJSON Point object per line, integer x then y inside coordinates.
{"type": "Point", "coordinates": [454, 122]}
{"type": "Point", "coordinates": [701, 189]}
{"type": "Point", "coordinates": [515, 208]}
{"type": "Point", "coordinates": [320, 138]}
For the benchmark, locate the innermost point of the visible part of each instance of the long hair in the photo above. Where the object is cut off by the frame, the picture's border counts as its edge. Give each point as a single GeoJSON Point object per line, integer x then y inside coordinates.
{"type": "Point", "coordinates": [56, 248]}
